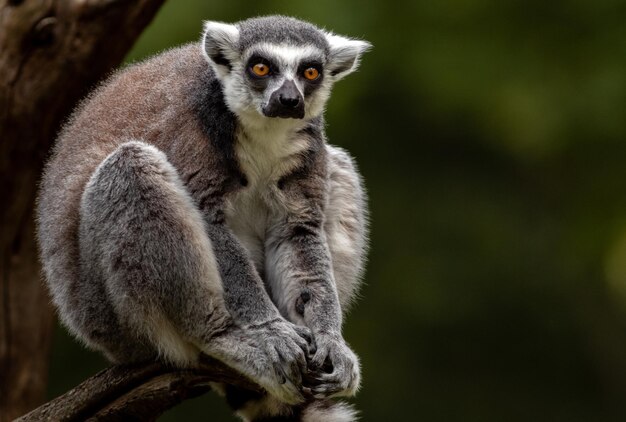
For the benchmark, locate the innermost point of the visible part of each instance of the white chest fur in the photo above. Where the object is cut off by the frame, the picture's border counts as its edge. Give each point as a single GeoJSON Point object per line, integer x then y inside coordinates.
{"type": "Point", "coordinates": [265, 154]}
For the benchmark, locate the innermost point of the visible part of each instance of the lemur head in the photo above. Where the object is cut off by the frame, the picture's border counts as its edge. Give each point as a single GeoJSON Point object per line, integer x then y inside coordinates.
{"type": "Point", "coordinates": [278, 67]}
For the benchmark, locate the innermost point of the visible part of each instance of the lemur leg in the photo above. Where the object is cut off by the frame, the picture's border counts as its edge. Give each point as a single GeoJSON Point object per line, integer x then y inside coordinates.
{"type": "Point", "coordinates": [143, 237]}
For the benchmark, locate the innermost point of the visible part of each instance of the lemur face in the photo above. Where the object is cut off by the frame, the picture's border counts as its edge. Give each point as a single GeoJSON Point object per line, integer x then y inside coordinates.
{"type": "Point", "coordinates": [277, 67]}
{"type": "Point", "coordinates": [284, 80]}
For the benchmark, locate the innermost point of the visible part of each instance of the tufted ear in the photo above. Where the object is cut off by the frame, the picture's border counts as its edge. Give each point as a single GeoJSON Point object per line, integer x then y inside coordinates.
{"type": "Point", "coordinates": [345, 54]}
{"type": "Point", "coordinates": [219, 42]}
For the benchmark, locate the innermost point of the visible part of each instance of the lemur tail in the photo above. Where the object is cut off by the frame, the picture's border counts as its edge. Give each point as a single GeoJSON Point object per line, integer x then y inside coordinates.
{"type": "Point", "coordinates": [318, 411]}
{"type": "Point", "coordinates": [255, 407]}
{"type": "Point", "coordinates": [329, 411]}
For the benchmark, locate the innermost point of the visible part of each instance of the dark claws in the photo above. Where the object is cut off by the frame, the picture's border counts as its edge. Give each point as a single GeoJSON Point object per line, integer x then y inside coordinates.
{"type": "Point", "coordinates": [327, 366]}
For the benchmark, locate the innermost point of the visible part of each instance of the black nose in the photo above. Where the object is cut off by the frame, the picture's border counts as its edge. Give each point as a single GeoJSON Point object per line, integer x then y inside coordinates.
{"type": "Point", "coordinates": [289, 101]}
{"type": "Point", "coordinates": [285, 102]}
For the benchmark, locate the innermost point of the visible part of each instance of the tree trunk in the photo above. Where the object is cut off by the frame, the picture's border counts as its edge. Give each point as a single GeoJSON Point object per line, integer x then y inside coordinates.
{"type": "Point", "coordinates": [51, 53]}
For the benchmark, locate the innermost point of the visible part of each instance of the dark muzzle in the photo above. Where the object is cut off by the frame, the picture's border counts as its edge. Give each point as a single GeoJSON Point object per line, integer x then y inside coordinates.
{"type": "Point", "coordinates": [285, 102]}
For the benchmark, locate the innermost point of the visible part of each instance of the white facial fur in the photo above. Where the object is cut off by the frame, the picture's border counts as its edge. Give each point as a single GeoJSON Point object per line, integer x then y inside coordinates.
{"type": "Point", "coordinates": [221, 45]}
{"type": "Point", "coordinates": [289, 58]}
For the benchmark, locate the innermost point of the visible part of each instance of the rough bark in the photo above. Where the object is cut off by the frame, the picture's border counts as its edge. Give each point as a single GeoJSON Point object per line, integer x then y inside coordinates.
{"type": "Point", "coordinates": [133, 393]}
{"type": "Point", "coordinates": [51, 53]}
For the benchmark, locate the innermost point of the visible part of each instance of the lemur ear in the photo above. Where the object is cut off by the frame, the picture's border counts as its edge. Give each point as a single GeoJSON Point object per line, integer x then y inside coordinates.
{"type": "Point", "coordinates": [219, 42]}
{"type": "Point", "coordinates": [345, 54]}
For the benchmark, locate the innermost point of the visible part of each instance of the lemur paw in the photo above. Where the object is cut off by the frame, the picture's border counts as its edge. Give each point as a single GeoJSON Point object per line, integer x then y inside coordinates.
{"type": "Point", "coordinates": [285, 347]}
{"type": "Point", "coordinates": [334, 369]}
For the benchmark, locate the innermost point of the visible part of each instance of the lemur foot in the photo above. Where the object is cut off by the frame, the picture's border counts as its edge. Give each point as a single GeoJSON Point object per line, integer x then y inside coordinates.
{"type": "Point", "coordinates": [334, 369]}
{"type": "Point", "coordinates": [272, 353]}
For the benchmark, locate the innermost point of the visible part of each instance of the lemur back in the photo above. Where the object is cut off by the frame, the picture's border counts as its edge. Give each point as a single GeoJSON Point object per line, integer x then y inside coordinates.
{"type": "Point", "coordinates": [192, 206]}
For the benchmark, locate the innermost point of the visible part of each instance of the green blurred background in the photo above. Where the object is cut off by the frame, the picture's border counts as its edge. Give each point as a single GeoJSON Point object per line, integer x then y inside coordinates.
{"type": "Point", "coordinates": [492, 138]}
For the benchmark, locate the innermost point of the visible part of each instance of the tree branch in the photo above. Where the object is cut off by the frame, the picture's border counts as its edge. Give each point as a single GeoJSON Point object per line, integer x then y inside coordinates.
{"type": "Point", "coordinates": [135, 392]}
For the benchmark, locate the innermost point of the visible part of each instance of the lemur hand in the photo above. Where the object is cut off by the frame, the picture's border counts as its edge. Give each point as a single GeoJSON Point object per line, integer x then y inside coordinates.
{"type": "Point", "coordinates": [283, 361]}
{"type": "Point", "coordinates": [334, 369]}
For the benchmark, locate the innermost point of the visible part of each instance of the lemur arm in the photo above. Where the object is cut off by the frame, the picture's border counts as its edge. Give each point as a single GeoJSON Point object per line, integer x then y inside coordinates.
{"type": "Point", "coordinates": [245, 297]}
{"type": "Point", "coordinates": [273, 347]}
{"type": "Point", "coordinates": [299, 275]}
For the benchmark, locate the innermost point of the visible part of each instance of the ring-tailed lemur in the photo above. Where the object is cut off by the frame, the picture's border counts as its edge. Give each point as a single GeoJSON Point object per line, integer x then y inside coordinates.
{"type": "Point", "coordinates": [193, 205]}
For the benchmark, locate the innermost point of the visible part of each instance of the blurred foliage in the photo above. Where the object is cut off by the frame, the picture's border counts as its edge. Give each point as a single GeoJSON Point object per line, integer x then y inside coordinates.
{"type": "Point", "coordinates": [491, 135]}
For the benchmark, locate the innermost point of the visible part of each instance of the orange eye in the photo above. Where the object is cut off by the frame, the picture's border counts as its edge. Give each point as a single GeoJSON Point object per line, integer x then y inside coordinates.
{"type": "Point", "coordinates": [311, 73]}
{"type": "Point", "coordinates": [260, 69]}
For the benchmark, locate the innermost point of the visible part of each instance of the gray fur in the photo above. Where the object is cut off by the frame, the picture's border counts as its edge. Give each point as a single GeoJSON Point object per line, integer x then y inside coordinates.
{"type": "Point", "coordinates": [279, 29]}
{"type": "Point", "coordinates": [176, 218]}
